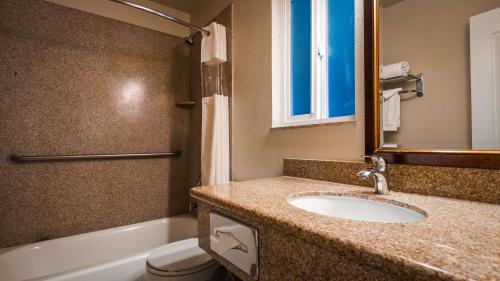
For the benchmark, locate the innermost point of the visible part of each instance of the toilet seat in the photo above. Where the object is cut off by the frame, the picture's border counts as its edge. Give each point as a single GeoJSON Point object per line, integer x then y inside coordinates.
{"type": "Point", "coordinates": [179, 259]}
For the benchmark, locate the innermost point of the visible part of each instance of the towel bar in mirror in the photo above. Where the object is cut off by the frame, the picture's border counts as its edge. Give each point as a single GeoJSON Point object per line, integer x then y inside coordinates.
{"type": "Point", "coordinates": [457, 122]}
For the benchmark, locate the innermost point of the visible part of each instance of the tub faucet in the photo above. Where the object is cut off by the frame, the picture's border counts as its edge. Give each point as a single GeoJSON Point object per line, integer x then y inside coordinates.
{"type": "Point", "coordinates": [376, 171]}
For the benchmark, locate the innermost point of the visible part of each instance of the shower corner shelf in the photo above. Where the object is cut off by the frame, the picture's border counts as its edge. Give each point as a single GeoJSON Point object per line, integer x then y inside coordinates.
{"type": "Point", "coordinates": [185, 104]}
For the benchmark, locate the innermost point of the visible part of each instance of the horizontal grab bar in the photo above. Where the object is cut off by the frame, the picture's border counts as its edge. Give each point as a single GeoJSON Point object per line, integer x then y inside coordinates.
{"type": "Point", "coordinates": [48, 158]}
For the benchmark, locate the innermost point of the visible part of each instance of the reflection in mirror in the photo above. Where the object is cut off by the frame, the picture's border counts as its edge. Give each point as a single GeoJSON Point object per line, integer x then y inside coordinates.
{"type": "Point", "coordinates": [440, 74]}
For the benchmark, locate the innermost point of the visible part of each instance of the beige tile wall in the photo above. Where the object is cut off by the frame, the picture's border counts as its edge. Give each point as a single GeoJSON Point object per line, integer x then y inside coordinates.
{"type": "Point", "coordinates": [77, 83]}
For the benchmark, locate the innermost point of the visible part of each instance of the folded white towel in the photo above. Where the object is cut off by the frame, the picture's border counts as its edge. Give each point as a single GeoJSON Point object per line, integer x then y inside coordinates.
{"type": "Point", "coordinates": [214, 46]}
{"type": "Point", "coordinates": [395, 70]}
{"type": "Point", "coordinates": [391, 109]}
{"type": "Point", "coordinates": [390, 145]}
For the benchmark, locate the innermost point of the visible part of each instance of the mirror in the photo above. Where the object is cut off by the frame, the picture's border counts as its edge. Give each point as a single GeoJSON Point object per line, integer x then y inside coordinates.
{"type": "Point", "coordinates": [439, 75]}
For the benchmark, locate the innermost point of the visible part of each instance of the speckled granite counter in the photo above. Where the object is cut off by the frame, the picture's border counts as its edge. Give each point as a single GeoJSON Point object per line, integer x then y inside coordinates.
{"type": "Point", "coordinates": [459, 240]}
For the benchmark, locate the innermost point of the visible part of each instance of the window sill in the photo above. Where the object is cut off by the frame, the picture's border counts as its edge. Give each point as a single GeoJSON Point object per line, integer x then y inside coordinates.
{"type": "Point", "coordinates": [340, 121]}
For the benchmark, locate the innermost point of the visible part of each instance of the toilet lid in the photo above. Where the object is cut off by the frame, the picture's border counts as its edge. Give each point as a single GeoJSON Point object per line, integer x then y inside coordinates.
{"type": "Point", "coordinates": [184, 255]}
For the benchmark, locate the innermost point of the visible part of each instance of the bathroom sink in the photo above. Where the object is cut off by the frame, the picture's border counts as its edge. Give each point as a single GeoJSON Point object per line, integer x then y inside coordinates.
{"type": "Point", "coordinates": [356, 209]}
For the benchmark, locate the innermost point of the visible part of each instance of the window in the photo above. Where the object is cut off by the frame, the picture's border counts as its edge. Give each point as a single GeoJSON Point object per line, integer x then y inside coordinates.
{"type": "Point", "coordinates": [313, 61]}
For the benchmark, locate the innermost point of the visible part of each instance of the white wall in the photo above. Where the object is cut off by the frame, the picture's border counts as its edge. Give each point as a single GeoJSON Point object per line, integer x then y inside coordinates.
{"type": "Point", "coordinates": [258, 151]}
{"type": "Point", "coordinates": [130, 15]}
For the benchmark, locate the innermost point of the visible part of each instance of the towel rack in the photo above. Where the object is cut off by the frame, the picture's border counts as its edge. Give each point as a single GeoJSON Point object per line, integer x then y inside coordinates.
{"type": "Point", "coordinates": [86, 157]}
{"type": "Point", "coordinates": [406, 92]}
{"type": "Point", "coordinates": [418, 79]}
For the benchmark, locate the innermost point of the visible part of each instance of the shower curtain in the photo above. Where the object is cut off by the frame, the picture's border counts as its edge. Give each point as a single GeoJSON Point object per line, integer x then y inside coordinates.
{"type": "Point", "coordinates": [215, 124]}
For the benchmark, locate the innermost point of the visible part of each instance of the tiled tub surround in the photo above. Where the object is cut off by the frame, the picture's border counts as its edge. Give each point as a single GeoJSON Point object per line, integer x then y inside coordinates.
{"type": "Point", "coordinates": [77, 83]}
{"type": "Point", "coordinates": [457, 241]}
{"type": "Point", "coordinates": [482, 185]}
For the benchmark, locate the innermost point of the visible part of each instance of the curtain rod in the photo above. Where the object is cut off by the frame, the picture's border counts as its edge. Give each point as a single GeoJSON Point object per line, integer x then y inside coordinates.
{"type": "Point", "coordinates": [162, 15]}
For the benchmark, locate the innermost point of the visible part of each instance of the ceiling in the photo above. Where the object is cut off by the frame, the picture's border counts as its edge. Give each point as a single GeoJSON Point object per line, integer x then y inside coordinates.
{"type": "Point", "coordinates": [181, 5]}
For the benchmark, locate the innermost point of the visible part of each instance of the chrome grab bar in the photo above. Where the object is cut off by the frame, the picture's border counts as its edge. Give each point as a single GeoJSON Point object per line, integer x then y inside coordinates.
{"type": "Point", "coordinates": [86, 157]}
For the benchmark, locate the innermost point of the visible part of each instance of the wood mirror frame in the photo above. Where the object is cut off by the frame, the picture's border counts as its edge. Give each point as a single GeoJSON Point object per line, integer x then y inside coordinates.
{"type": "Point", "coordinates": [489, 159]}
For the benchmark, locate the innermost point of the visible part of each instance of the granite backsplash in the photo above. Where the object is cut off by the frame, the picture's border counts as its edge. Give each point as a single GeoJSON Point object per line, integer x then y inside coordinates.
{"type": "Point", "coordinates": [482, 185]}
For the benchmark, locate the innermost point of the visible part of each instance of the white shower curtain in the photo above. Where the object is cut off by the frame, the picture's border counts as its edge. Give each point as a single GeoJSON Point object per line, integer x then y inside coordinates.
{"type": "Point", "coordinates": [215, 111]}
{"type": "Point", "coordinates": [215, 140]}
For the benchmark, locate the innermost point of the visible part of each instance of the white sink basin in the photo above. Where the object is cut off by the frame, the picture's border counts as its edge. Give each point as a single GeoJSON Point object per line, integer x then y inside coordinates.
{"type": "Point", "coordinates": [356, 209]}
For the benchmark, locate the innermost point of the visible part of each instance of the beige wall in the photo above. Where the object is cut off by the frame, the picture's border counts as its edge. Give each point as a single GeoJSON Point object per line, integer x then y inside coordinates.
{"type": "Point", "coordinates": [130, 15]}
{"type": "Point", "coordinates": [433, 36]}
{"type": "Point", "coordinates": [258, 151]}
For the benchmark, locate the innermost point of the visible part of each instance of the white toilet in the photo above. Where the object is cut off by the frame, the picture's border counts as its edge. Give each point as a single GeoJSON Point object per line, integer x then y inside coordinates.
{"type": "Point", "coordinates": [180, 261]}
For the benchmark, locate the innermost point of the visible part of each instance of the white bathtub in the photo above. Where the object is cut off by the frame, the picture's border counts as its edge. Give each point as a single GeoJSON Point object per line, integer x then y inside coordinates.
{"type": "Point", "coordinates": [116, 254]}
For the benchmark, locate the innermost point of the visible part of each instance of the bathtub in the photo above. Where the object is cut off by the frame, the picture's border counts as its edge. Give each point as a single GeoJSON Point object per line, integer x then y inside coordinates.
{"type": "Point", "coordinates": [116, 254]}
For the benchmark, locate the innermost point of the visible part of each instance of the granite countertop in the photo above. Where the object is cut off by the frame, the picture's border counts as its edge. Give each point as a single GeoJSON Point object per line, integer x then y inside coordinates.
{"type": "Point", "coordinates": [459, 240]}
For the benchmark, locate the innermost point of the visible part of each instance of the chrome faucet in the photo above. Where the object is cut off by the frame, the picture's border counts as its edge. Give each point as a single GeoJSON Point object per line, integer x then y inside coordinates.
{"type": "Point", "coordinates": [376, 171]}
